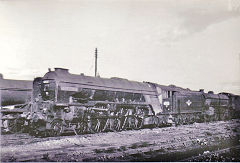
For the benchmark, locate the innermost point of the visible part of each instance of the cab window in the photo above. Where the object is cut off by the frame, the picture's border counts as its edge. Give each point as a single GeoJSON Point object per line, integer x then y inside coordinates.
{"type": "Point", "coordinates": [48, 89]}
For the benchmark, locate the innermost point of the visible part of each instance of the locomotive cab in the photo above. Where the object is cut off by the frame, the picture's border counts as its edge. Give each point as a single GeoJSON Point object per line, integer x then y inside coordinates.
{"type": "Point", "coordinates": [44, 89]}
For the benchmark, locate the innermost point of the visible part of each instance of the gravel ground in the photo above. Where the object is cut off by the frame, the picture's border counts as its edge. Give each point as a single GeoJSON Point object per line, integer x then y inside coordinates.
{"type": "Point", "coordinates": [225, 155]}
{"type": "Point", "coordinates": [158, 144]}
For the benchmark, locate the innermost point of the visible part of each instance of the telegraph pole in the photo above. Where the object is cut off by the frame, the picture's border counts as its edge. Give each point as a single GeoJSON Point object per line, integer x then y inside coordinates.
{"type": "Point", "coordinates": [96, 62]}
{"type": "Point", "coordinates": [1, 77]}
{"type": "Point", "coordinates": [0, 98]}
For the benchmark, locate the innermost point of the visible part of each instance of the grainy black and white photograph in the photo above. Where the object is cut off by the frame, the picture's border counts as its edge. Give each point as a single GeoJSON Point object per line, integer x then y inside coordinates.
{"type": "Point", "coordinates": [120, 80]}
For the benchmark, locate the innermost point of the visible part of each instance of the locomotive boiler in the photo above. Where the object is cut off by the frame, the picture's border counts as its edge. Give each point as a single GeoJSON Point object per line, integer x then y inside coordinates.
{"type": "Point", "coordinates": [14, 92]}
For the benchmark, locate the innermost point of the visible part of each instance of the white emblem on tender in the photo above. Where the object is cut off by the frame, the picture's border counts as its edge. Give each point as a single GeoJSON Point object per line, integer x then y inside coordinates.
{"type": "Point", "coordinates": [188, 102]}
{"type": "Point", "coordinates": [166, 103]}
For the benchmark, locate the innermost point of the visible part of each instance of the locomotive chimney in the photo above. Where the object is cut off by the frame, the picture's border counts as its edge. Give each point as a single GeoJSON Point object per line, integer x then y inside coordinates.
{"type": "Point", "coordinates": [201, 90]}
{"type": "Point", "coordinates": [210, 92]}
{"type": "Point", "coordinates": [61, 70]}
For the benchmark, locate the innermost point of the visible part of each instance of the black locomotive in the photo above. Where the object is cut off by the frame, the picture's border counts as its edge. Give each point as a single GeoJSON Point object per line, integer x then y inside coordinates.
{"type": "Point", "coordinates": [15, 97]}
{"type": "Point", "coordinates": [66, 102]}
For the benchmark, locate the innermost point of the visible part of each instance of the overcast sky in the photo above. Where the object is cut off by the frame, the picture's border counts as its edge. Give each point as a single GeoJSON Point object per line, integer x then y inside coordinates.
{"type": "Point", "coordinates": [190, 43]}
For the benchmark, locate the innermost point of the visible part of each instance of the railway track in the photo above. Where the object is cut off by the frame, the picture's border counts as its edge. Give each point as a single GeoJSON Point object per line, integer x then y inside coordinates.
{"type": "Point", "coordinates": [139, 145]}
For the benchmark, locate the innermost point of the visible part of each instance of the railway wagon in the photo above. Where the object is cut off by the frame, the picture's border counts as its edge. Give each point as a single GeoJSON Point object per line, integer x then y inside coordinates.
{"type": "Point", "coordinates": [234, 104]}
{"type": "Point", "coordinates": [63, 101]}
{"type": "Point", "coordinates": [217, 106]}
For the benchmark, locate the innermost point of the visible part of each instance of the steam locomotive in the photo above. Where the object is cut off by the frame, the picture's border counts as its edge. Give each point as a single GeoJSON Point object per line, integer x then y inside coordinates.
{"type": "Point", "coordinates": [15, 95]}
{"type": "Point", "coordinates": [63, 102]}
